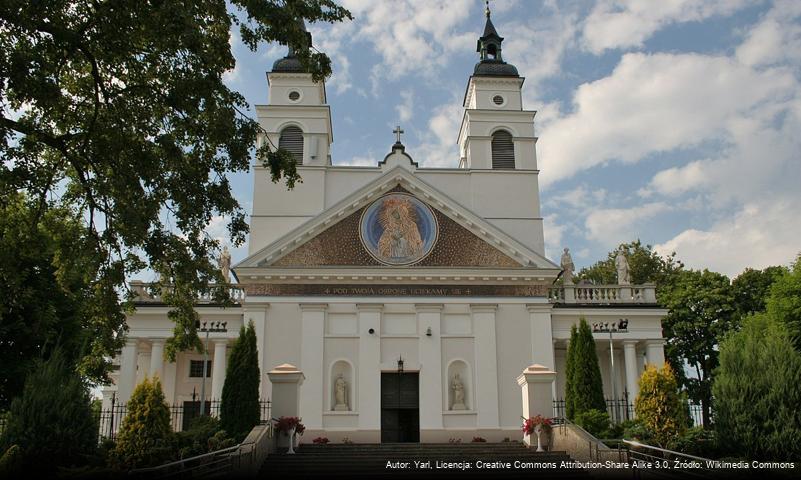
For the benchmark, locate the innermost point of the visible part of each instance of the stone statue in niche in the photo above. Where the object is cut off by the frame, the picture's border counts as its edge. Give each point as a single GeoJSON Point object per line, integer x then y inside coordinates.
{"type": "Point", "coordinates": [458, 393]}
{"type": "Point", "coordinates": [567, 267]}
{"type": "Point", "coordinates": [225, 265]}
{"type": "Point", "coordinates": [622, 266]}
{"type": "Point", "coordinates": [341, 394]}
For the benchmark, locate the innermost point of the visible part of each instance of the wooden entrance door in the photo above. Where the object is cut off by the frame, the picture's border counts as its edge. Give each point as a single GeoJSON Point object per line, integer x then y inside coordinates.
{"type": "Point", "coordinates": [400, 407]}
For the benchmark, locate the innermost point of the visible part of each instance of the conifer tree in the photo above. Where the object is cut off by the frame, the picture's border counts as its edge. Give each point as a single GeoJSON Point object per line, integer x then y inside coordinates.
{"type": "Point", "coordinates": [52, 422]}
{"type": "Point", "coordinates": [756, 391]}
{"type": "Point", "coordinates": [240, 410]}
{"type": "Point", "coordinates": [660, 406]}
{"type": "Point", "coordinates": [145, 438]}
{"type": "Point", "coordinates": [584, 387]}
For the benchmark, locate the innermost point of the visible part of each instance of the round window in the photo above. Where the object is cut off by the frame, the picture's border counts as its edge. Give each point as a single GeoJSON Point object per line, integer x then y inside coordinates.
{"type": "Point", "coordinates": [497, 100]}
{"type": "Point", "coordinates": [294, 95]}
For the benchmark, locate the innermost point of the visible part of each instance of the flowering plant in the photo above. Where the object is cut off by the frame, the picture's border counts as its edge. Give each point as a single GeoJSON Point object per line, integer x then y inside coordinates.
{"type": "Point", "coordinates": [320, 440]}
{"type": "Point", "coordinates": [286, 424]}
{"type": "Point", "coordinates": [530, 424]}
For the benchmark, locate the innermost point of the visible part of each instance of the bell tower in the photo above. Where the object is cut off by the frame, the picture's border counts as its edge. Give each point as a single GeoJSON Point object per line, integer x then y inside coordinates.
{"type": "Point", "coordinates": [297, 116]}
{"type": "Point", "coordinates": [496, 133]}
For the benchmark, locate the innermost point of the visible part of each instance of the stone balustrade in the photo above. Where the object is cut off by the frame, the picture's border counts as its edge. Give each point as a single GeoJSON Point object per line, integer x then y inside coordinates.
{"type": "Point", "coordinates": [144, 294]}
{"type": "Point", "coordinates": [603, 294]}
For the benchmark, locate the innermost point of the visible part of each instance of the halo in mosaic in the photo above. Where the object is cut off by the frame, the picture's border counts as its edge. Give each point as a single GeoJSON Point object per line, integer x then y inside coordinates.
{"type": "Point", "coordinates": [398, 229]}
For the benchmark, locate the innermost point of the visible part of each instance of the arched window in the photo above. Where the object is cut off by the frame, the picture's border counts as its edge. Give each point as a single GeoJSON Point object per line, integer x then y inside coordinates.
{"type": "Point", "coordinates": [292, 140]}
{"type": "Point", "coordinates": [503, 150]}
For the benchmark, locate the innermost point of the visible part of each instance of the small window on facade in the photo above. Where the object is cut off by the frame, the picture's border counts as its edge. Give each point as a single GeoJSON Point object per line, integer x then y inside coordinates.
{"type": "Point", "coordinates": [497, 100]}
{"type": "Point", "coordinates": [503, 150]}
{"type": "Point", "coordinates": [196, 368]}
{"type": "Point", "coordinates": [292, 140]}
{"type": "Point", "coordinates": [294, 95]}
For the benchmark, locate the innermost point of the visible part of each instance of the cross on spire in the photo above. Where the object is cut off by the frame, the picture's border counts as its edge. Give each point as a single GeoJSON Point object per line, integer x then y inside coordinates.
{"type": "Point", "coordinates": [398, 133]}
{"type": "Point", "coordinates": [487, 9]}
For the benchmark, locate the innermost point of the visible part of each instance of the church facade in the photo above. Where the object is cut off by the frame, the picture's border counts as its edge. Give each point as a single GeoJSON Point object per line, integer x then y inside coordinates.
{"type": "Point", "coordinates": [411, 299]}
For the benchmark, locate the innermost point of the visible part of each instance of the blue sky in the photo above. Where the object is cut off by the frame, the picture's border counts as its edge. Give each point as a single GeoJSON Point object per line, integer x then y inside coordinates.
{"type": "Point", "coordinates": [673, 121]}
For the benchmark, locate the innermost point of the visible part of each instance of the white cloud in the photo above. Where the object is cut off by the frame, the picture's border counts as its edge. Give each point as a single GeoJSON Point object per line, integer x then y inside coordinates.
{"type": "Point", "coordinates": [655, 103]}
{"type": "Point", "coordinates": [776, 38]}
{"type": "Point", "coordinates": [411, 35]}
{"type": "Point", "coordinates": [554, 232]}
{"type": "Point", "coordinates": [612, 226]}
{"type": "Point", "coordinates": [628, 23]}
{"type": "Point", "coordinates": [406, 108]}
{"type": "Point", "coordinates": [758, 236]}
{"type": "Point", "coordinates": [438, 147]}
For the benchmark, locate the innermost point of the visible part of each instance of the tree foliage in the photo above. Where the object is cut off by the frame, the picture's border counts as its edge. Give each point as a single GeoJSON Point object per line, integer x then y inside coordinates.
{"type": "Point", "coordinates": [750, 289]}
{"type": "Point", "coordinates": [240, 409]}
{"type": "Point", "coordinates": [659, 405]}
{"type": "Point", "coordinates": [784, 303]}
{"type": "Point", "coordinates": [757, 392]}
{"type": "Point", "coordinates": [145, 437]}
{"type": "Point", "coordinates": [645, 266]}
{"type": "Point", "coordinates": [119, 109]}
{"type": "Point", "coordinates": [583, 383]}
{"type": "Point", "coordinates": [52, 421]}
{"type": "Point", "coordinates": [51, 296]}
{"type": "Point", "coordinates": [701, 310]}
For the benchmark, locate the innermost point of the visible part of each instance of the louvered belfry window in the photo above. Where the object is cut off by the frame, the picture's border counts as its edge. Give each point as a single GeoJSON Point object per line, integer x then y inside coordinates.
{"type": "Point", "coordinates": [292, 140]}
{"type": "Point", "coordinates": [503, 150]}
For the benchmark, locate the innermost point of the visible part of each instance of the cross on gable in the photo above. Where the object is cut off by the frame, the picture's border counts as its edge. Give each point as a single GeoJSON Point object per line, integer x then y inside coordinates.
{"type": "Point", "coordinates": [398, 133]}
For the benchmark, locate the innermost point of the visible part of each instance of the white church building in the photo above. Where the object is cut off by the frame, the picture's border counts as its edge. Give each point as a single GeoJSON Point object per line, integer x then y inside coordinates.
{"type": "Point", "coordinates": [360, 272]}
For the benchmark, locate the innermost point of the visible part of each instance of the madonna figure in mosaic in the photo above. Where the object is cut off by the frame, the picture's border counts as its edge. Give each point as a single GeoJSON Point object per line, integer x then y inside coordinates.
{"type": "Point", "coordinates": [398, 229]}
{"type": "Point", "coordinates": [401, 237]}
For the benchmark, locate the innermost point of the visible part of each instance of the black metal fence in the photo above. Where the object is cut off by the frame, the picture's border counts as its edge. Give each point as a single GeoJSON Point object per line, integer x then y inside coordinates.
{"type": "Point", "coordinates": [181, 414]}
{"type": "Point", "coordinates": [621, 409]}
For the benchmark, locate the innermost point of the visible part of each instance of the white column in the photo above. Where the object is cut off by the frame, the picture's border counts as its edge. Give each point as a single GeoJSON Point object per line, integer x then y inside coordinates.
{"type": "Point", "coordinates": [258, 315]}
{"type": "Point", "coordinates": [536, 382]}
{"type": "Point", "coordinates": [286, 382]}
{"type": "Point", "coordinates": [157, 360]}
{"type": "Point", "coordinates": [127, 376]}
{"type": "Point", "coordinates": [655, 352]}
{"type": "Point", "coordinates": [541, 335]}
{"type": "Point", "coordinates": [369, 368]}
{"type": "Point", "coordinates": [218, 366]}
{"type": "Point", "coordinates": [630, 352]}
{"type": "Point", "coordinates": [486, 368]}
{"type": "Point", "coordinates": [429, 316]}
{"type": "Point", "coordinates": [311, 362]}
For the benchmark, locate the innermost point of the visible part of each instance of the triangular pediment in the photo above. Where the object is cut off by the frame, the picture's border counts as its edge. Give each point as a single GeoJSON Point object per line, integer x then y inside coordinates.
{"type": "Point", "coordinates": [449, 236]}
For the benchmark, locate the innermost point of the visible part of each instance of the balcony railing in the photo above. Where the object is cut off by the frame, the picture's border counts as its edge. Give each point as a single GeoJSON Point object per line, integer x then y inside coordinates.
{"type": "Point", "coordinates": [144, 293]}
{"type": "Point", "coordinates": [603, 294]}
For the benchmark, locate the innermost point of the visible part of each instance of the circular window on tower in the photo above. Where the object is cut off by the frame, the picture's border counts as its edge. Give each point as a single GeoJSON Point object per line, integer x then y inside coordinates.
{"type": "Point", "coordinates": [498, 100]}
{"type": "Point", "coordinates": [294, 95]}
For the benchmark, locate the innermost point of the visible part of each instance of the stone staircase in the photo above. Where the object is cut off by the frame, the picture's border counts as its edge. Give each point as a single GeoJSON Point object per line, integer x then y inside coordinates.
{"type": "Point", "coordinates": [370, 461]}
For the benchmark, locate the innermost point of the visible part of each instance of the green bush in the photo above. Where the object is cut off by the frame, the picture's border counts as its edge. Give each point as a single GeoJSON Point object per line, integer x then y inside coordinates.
{"type": "Point", "coordinates": [594, 421]}
{"type": "Point", "coordinates": [638, 431]}
{"type": "Point", "coordinates": [146, 438]}
{"type": "Point", "coordinates": [11, 462]}
{"type": "Point", "coordinates": [203, 436]}
{"type": "Point", "coordinates": [52, 420]}
{"type": "Point", "coordinates": [697, 441]}
{"type": "Point", "coordinates": [660, 406]}
{"type": "Point", "coordinates": [240, 410]}
{"type": "Point", "coordinates": [583, 387]}
{"type": "Point", "coordinates": [756, 391]}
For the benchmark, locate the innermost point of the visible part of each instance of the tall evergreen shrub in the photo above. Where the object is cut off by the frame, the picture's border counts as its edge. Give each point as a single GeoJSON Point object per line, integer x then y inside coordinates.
{"type": "Point", "coordinates": [52, 422]}
{"type": "Point", "coordinates": [240, 410]}
{"type": "Point", "coordinates": [145, 438]}
{"type": "Point", "coordinates": [757, 391]}
{"type": "Point", "coordinates": [660, 406]}
{"type": "Point", "coordinates": [583, 387]}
